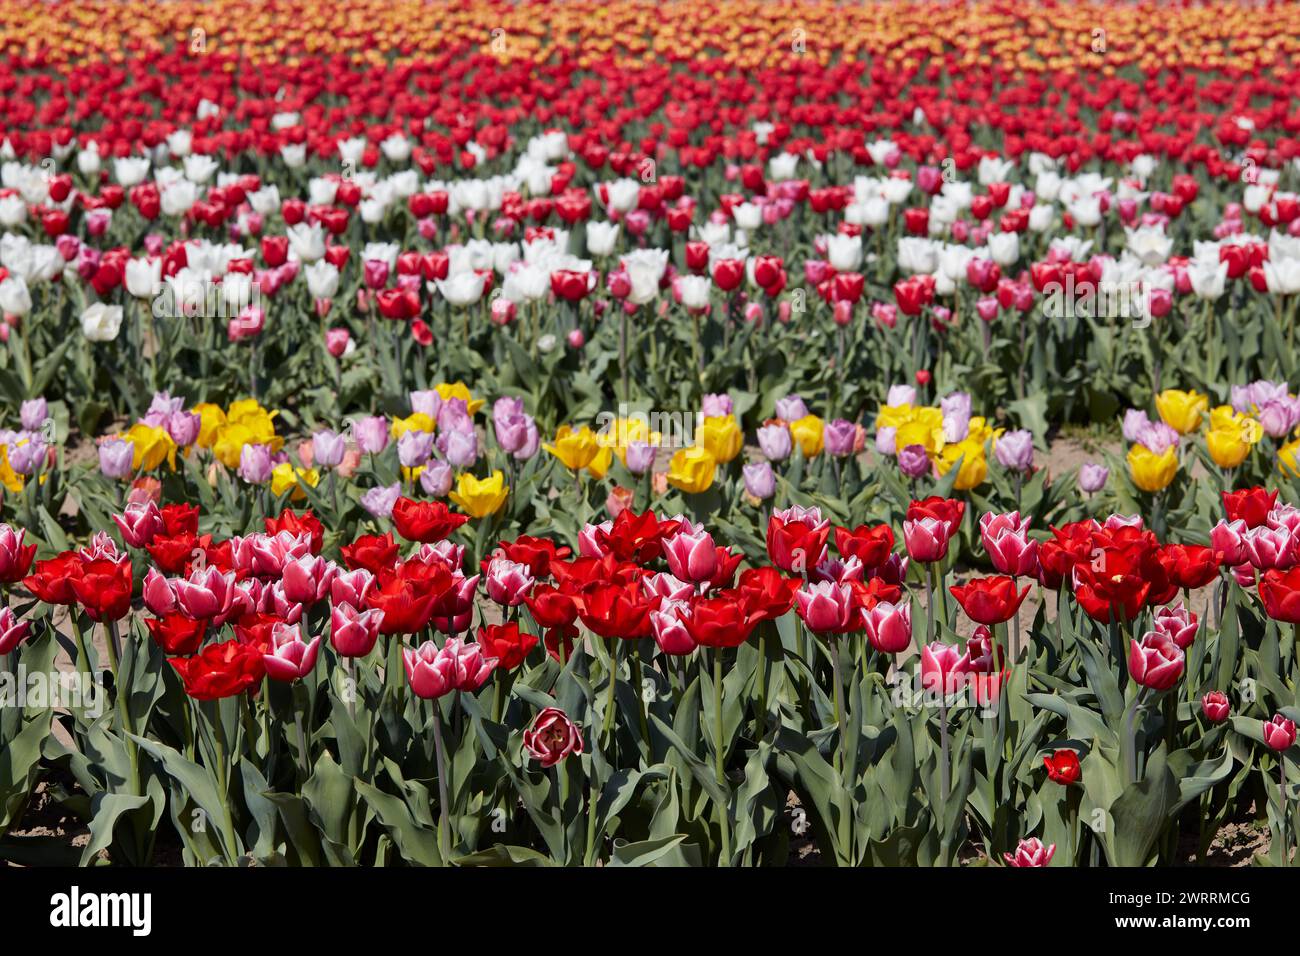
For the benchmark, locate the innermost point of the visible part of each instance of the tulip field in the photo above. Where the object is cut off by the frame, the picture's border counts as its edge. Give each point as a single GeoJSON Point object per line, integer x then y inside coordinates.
{"type": "Point", "coordinates": [609, 433]}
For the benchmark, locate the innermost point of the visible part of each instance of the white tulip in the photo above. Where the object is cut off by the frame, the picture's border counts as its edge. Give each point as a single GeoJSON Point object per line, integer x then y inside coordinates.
{"type": "Point", "coordinates": [602, 237]}
{"type": "Point", "coordinates": [693, 290]}
{"type": "Point", "coordinates": [844, 252]}
{"type": "Point", "coordinates": [101, 322]}
{"type": "Point", "coordinates": [645, 268]}
{"type": "Point", "coordinates": [322, 279]}
{"type": "Point", "coordinates": [130, 170]}
{"type": "Point", "coordinates": [143, 277]}
{"type": "Point", "coordinates": [307, 241]}
{"type": "Point", "coordinates": [14, 297]}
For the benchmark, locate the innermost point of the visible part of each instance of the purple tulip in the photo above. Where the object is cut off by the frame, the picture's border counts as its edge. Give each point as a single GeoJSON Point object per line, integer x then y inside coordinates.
{"type": "Point", "coordinates": [414, 448]}
{"type": "Point", "coordinates": [913, 461]}
{"type": "Point", "coordinates": [371, 434]}
{"type": "Point", "coordinates": [1092, 477]}
{"type": "Point", "coordinates": [436, 479]}
{"type": "Point", "coordinates": [1015, 450]}
{"type": "Point", "coordinates": [379, 501]}
{"type": "Point", "coordinates": [775, 442]}
{"type": "Point", "coordinates": [328, 448]}
{"type": "Point", "coordinates": [760, 480]}
{"type": "Point", "coordinates": [839, 436]}
{"type": "Point", "coordinates": [640, 457]}
{"type": "Point", "coordinates": [33, 413]}
{"type": "Point", "coordinates": [115, 457]}
{"type": "Point", "coordinates": [255, 464]}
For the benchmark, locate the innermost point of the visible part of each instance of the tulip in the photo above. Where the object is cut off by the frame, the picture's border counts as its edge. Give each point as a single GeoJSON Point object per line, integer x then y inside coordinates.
{"type": "Point", "coordinates": [827, 608]}
{"type": "Point", "coordinates": [927, 538]}
{"type": "Point", "coordinates": [1177, 623]}
{"type": "Point", "coordinates": [1092, 477]}
{"type": "Point", "coordinates": [508, 582]}
{"type": "Point", "coordinates": [1007, 542]}
{"type": "Point", "coordinates": [290, 658]}
{"type": "Point", "coordinates": [481, 497]}
{"type": "Point", "coordinates": [1031, 852]}
{"type": "Point", "coordinates": [1279, 733]}
{"type": "Point", "coordinates": [139, 523]}
{"type": "Point", "coordinates": [760, 480]}
{"type": "Point", "coordinates": [1155, 662]}
{"type": "Point", "coordinates": [1015, 450]}
{"type": "Point", "coordinates": [991, 600]}
{"type": "Point", "coordinates": [691, 557]}
{"type": "Point", "coordinates": [1151, 471]}
{"type": "Point", "coordinates": [354, 633]}
{"type": "Point", "coordinates": [551, 737]}
{"type": "Point", "coordinates": [1063, 767]}
{"type": "Point", "coordinates": [12, 631]}
{"type": "Point", "coordinates": [15, 557]}
{"type": "Point", "coordinates": [1181, 410]}
{"type": "Point", "coordinates": [1215, 706]}
{"type": "Point", "coordinates": [668, 625]}
{"type": "Point", "coordinates": [889, 627]}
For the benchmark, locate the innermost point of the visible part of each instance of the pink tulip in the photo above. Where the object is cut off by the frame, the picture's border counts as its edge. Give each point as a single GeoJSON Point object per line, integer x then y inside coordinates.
{"type": "Point", "coordinates": [1270, 548]}
{"type": "Point", "coordinates": [351, 587]}
{"type": "Point", "coordinates": [353, 633]}
{"type": "Point", "coordinates": [1031, 852]}
{"type": "Point", "coordinates": [139, 523]}
{"type": "Point", "coordinates": [1227, 538]}
{"type": "Point", "coordinates": [159, 595]}
{"type": "Point", "coordinates": [943, 668]}
{"type": "Point", "coordinates": [1215, 706]}
{"type": "Point", "coordinates": [669, 627]}
{"type": "Point", "coordinates": [1155, 661]}
{"type": "Point", "coordinates": [469, 668]}
{"type": "Point", "coordinates": [429, 670]}
{"type": "Point", "coordinates": [552, 736]}
{"type": "Point", "coordinates": [668, 587]}
{"type": "Point", "coordinates": [691, 557]}
{"type": "Point", "coordinates": [827, 607]}
{"type": "Point", "coordinates": [1279, 733]}
{"type": "Point", "coordinates": [291, 657]}
{"type": "Point", "coordinates": [889, 627]}
{"type": "Point", "coordinates": [1007, 542]}
{"type": "Point", "coordinates": [1177, 623]}
{"type": "Point", "coordinates": [508, 582]}
{"type": "Point", "coordinates": [927, 539]}
{"type": "Point", "coordinates": [12, 631]}
{"type": "Point", "coordinates": [206, 595]}
{"type": "Point", "coordinates": [306, 579]}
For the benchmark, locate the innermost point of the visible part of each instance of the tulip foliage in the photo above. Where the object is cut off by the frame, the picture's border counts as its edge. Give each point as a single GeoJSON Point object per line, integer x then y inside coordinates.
{"type": "Point", "coordinates": [648, 696]}
{"type": "Point", "coordinates": [540, 433]}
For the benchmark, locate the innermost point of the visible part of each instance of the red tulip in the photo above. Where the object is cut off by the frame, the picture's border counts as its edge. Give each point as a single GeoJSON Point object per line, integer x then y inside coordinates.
{"type": "Point", "coordinates": [221, 670]}
{"type": "Point", "coordinates": [1063, 767]}
{"type": "Point", "coordinates": [425, 521]}
{"type": "Point", "coordinates": [991, 600]}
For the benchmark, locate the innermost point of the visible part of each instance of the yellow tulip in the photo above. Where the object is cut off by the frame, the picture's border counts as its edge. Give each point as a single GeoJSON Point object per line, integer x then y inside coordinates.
{"type": "Point", "coordinates": [895, 416]}
{"type": "Point", "coordinates": [153, 446]}
{"type": "Point", "coordinates": [974, 463]}
{"type": "Point", "coordinates": [807, 431]}
{"type": "Point", "coordinates": [980, 430]}
{"type": "Point", "coordinates": [449, 390]}
{"type": "Point", "coordinates": [211, 418]}
{"type": "Point", "coordinates": [1152, 472]}
{"type": "Point", "coordinates": [8, 477]}
{"type": "Point", "coordinates": [692, 469]}
{"type": "Point", "coordinates": [285, 476]}
{"type": "Point", "coordinates": [415, 422]}
{"type": "Point", "coordinates": [600, 463]}
{"type": "Point", "coordinates": [1181, 410]}
{"type": "Point", "coordinates": [480, 498]}
{"type": "Point", "coordinates": [1226, 446]}
{"type": "Point", "coordinates": [722, 437]}
{"type": "Point", "coordinates": [575, 449]}
{"type": "Point", "coordinates": [1288, 458]}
